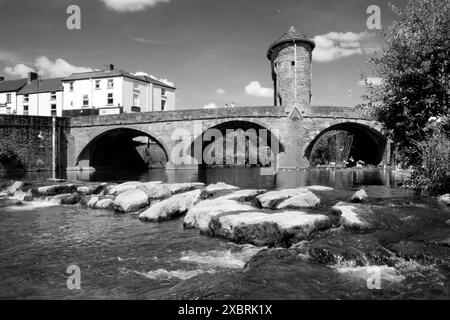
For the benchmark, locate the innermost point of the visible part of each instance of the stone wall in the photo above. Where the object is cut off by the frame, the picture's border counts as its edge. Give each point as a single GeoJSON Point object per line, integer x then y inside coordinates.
{"type": "Point", "coordinates": [26, 143]}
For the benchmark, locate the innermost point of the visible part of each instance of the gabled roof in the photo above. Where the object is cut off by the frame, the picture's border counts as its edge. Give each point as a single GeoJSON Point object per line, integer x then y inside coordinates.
{"type": "Point", "coordinates": [12, 85]}
{"type": "Point", "coordinates": [47, 85]}
{"type": "Point", "coordinates": [114, 73]}
{"type": "Point", "coordinates": [292, 35]}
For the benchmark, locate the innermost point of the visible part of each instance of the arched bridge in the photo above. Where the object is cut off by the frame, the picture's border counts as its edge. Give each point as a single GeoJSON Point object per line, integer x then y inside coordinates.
{"type": "Point", "coordinates": [96, 141]}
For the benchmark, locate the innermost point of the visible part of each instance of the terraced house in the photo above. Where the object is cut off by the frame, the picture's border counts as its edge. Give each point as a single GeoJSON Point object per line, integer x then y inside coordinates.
{"type": "Point", "coordinates": [103, 92]}
{"type": "Point", "coordinates": [8, 94]}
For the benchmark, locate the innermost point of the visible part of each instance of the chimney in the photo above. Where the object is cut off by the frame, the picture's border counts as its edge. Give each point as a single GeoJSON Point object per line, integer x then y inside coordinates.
{"type": "Point", "coordinates": [110, 67]}
{"type": "Point", "coordinates": [2, 78]}
{"type": "Point", "coordinates": [32, 76]}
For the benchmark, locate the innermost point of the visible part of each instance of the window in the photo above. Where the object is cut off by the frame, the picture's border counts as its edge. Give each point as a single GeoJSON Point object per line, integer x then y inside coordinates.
{"type": "Point", "coordinates": [26, 98]}
{"type": "Point", "coordinates": [163, 105]}
{"type": "Point", "coordinates": [163, 92]}
{"type": "Point", "coordinates": [25, 110]}
{"type": "Point", "coordinates": [110, 83]}
{"type": "Point", "coordinates": [110, 99]}
{"type": "Point", "coordinates": [292, 63]}
{"type": "Point", "coordinates": [135, 99]}
{"type": "Point", "coordinates": [97, 84]}
{"type": "Point", "coordinates": [53, 110]}
{"type": "Point", "coordinates": [71, 86]}
{"type": "Point", "coordinates": [85, 100]}
{"type": "Point", "coordinates": [53, 96]}
{"type": "Point", "coordinates": [136, 86]}
{"type": "Point", "coordinates": [8, 98]}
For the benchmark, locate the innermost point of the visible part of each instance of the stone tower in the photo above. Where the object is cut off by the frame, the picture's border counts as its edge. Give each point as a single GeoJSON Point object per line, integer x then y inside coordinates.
{"type": "Point", "coordinates": [290, 57]}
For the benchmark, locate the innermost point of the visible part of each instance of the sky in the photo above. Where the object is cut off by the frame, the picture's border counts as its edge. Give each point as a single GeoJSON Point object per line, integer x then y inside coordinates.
{"type": "Point", "coordinates": [213, 51]}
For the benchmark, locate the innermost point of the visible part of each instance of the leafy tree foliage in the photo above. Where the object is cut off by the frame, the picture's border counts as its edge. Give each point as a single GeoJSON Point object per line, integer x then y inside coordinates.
{"type": "Point", "coordinates": [414, 66]}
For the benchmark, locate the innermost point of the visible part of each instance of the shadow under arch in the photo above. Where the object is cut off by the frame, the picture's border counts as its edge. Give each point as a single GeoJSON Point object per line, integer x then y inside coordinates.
{"type": "Point", "coordinates": [235, 125]}
{"type": "Point", "coordinates": [368, 144]}
{"type": "Point", "coordinates": [117, 149]}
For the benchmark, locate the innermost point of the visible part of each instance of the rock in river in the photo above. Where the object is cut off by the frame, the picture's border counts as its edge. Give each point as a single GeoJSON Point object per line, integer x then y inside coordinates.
{"type": "Point", "coordinates": [320, 188]}
{"type": "Point", "coordinates": [131, 201]}
{"type": "Point", "coordinates": [218, 189]}
{"type": "Point", "coordinates": [272, 199]}
{"type": "Point", "coordinates": [118, 189]}
{"type": "Point", "coordinates": [304, 200]}
{"type": "Point", "coordinates": [352, 215]}
{"type": "Point", "coordinates": [66, 199]}
{"type": "Point", "coordinates": [176, 188]}
{"type": "Point", "coordinates": [245, 196]}
{"type": "Point", "coordinates": [445, 199]}
{"type": "Point", "coordinates": [200, 216]}
{"type": "Point", "coordinates": [53, 190]}
{"type": "Point", "coordinates": [265, 229]}
{"type": "Point", "coordinates": [172, 207]}
{"type": "Point", "coordinates": [359, 196]}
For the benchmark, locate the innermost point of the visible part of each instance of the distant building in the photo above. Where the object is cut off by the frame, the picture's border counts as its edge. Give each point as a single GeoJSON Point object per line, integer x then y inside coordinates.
{"type": "Point", "coordinates": [115, 91]}
{"type": "Point", "coordinates": [8, 94]}
{"type": "Point", "coordinates": [105, 92]}
{"type": "Point", "coordinates": [41, 98]}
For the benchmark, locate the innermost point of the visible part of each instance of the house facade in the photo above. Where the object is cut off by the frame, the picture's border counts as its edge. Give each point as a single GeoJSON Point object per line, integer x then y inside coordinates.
{"type": "Point", "coordinates": [104, 92]}
{"type": "Point", "coordinates": [113, 92]}
{"type": "Point", "coordinates": [8, 94]}
{"type": "Point", "coordinates": [41, 98]}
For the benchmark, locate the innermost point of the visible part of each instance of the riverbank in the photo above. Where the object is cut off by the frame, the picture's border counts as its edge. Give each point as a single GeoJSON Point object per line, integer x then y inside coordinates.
{"type": "Point", "coordinates": [287, 239]}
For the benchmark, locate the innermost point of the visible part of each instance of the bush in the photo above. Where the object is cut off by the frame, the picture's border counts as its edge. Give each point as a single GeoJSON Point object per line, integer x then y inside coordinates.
{"type": "Point", "coordinates": [432, 174]}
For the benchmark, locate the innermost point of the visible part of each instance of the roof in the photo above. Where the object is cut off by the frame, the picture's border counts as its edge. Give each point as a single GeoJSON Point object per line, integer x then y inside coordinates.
{"type": "Point", "coordinates": [292, 35]}
{"type": "Point", "coordinates": [114, 73]}
{"type": "Point", "coordinates": [12, 85]}
{"type": "Point", "coordinates": [47, 85]}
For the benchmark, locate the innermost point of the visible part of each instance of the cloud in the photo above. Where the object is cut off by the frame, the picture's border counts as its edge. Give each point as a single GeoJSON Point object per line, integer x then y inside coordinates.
{"type": "Point", "coordinates": [131, 5]}
{"type": "Point", "coordinates": [210, 106]}
{"type": "Point", "coordinates": [163, 80]}
{"type": "Point", "coordinates": [220, 91]}
{"type": "Point", "coordinates": [46, 68]}
{"type": "Point", "coordinates": [146, 41]}
{"type": "Point", "coordinates": [254, 89]}
{"type": "Point", "coordinates": [337, 45]}
{"type": "Point", "coordinates": [374, 81]}
{"type": "Point", "coordinates": [19, 70]}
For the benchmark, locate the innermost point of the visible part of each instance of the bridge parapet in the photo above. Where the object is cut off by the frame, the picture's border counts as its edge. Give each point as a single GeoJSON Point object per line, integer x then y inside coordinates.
{"type": "Point", "coordinates": [338, 112]}
{"type": "Point", "coordinates": [178, 115]}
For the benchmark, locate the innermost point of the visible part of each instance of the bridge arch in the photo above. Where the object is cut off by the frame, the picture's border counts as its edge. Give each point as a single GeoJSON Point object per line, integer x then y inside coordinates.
{"type": "Point", "coordinates": [247, 136]}
{"type": "Point", "coordinates": [367, 142]}
{"type": "Point", "coordinates": [123, 148]}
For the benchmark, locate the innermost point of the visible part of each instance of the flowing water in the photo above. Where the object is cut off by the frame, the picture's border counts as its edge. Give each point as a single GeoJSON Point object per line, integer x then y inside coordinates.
{"type": "Point", "coordinates": [120, 257]}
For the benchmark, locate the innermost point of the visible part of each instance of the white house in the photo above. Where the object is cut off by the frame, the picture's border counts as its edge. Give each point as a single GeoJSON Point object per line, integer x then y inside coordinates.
{"type": "Point", "coordinates": [8, 94]}
{"type": "Point", "coordinates": [114, 91]}
{"type": "Point", "coordinates": [41, 98]}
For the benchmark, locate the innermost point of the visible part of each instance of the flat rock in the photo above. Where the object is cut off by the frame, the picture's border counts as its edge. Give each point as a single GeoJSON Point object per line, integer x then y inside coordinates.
{"type": "Point", "coordinates": [304, 200]}
{"type": "Point", "coordinates": [320, 188]}
{"type": "Point", "coordinates": [131, 201]}
{"type": "Point", "coordinates": [115, 190]}
{"type": "Point", "coordinates": [276, 229]}
{"type": "Point", "coordinates": [66, 199]}
{"type": "Point", "coordinates": [91, 189]}
{"type": "Point", "coordinates": [156, 190]}
{"type": "Point", "coordinates": [16, 186]}
{"type": "Point", "coordinates": [53, 190]}
{"type": "Point", "coordinates": [172, 207]}
{"type": "Point", "coordinates": [176, 188]}
{"type": "Point", "coordinates": [359, 196]}
{"type": "Point", "coordinates": [352, 215]}
{"type": "Point", "coordinates": [272, 199]}
{"type": "Point", "coordinates": [245, 196]}
{"type": "Point", "coordinates": [106, 203]}
{"type": "Point", "coordinates": [218, 189]}
{"type": "Point", "coordinates": [200, 216]}
{"type": "Point", "coordinates": [445, 199]}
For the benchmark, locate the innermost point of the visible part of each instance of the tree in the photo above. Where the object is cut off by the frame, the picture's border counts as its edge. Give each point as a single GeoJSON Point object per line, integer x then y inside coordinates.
{"type": "Point", "coordinates": [414, 66]}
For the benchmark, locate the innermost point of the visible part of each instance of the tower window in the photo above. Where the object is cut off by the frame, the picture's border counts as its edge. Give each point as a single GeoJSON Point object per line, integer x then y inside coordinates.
{"type": "Point", "coordinates": [292, 63]}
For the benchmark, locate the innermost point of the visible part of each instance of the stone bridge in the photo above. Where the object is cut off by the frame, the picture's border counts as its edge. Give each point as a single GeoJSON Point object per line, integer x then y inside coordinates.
{"type": "Point", "coordinates": [296, 135]}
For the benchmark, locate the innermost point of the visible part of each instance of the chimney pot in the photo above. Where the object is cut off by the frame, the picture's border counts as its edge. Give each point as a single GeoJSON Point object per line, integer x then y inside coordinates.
{"type": "Point", "coordinates": [32, 76]}
{"type": "Point", "coordinates": [2, 78]}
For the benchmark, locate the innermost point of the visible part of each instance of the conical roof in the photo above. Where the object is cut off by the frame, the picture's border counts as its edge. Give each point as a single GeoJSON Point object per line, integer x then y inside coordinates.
{"type": "Point", "coordinates": [292, 35]}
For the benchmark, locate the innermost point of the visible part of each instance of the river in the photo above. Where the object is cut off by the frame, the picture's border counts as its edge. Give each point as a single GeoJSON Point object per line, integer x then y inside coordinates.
{"type": "Point", "coordinates": [120, 257]}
